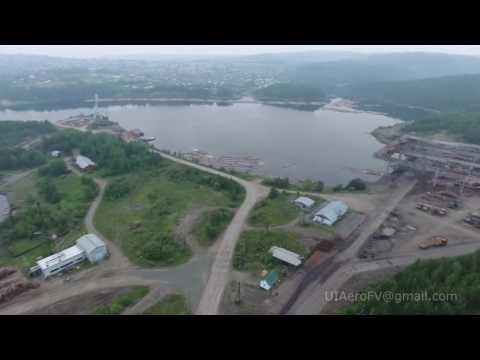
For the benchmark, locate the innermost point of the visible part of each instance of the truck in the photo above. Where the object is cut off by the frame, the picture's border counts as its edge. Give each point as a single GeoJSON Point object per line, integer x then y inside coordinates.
{"type": "Point", "coordinates": [439, 211]}
{"type": "Point", "coordinates": [424, 207]}
{"type": "Point", "coordinates": [435, 241]}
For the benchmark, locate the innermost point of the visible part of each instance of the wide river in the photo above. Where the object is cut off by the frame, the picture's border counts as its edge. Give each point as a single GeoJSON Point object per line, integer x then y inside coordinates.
{"type": "Point", "coordinates": [323, 145]}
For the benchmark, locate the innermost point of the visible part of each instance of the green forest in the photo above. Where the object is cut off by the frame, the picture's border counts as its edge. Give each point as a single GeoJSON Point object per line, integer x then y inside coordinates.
{"type": "Point", "coordinates": [290, 92]}
{"type": "Point", "coordinates": [13, 133]}
{"type": "Point", "coordinates": [459, 276]}
{"type": "Point", "coordinates": [463, 126]}
{"type": "Point", "coordinates": [113, 156]}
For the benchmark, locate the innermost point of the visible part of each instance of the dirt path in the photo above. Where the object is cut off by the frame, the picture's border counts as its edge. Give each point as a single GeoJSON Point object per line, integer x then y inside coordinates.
{"type": "Point", "coordinates": [313, 299]}
{"type": "Point", "coordinates": [155, 295]}
{"type": "Point", "coordinates": [116, 259]}
{"type": "Point", "coordinates": [219, 275]}
{"type": "Point", "coordinates": [12, 179]}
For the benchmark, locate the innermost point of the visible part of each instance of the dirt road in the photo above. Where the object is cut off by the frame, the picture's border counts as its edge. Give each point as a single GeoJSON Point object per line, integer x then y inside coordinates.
{"type": "Point", "coordinates": [312, 300]}
{"type": "Point", "coordinates": [220, 272]}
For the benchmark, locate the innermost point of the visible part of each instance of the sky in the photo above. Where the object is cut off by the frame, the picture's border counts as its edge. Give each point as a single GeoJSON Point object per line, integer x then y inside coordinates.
{"type": "Point", "coordinates": [91, 51]}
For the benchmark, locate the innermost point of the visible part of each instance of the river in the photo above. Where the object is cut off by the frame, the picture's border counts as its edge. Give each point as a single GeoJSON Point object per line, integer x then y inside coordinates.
{"type": "Point", "coordinates": [322, 145]}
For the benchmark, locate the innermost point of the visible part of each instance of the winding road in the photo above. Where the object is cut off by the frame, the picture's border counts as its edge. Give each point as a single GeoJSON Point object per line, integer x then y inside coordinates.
{"type": "Point", "coordinates": [210, 279]}
{"type": "Point", "coordinates": [220, 272]}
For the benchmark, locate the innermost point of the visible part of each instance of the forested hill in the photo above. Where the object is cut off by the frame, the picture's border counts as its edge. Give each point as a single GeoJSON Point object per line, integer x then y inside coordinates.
{"type": "Point", "coordinates": [290, 92]}
{"type": "Point", "coordinates": [445, 94]}
{"type": "Point", "coordinates": [386, 67]}
{"type": "Point", "coordinates": [13, 133]}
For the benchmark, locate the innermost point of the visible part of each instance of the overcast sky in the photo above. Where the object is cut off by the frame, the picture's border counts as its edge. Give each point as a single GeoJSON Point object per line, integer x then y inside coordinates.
{"type": "Point", "coordinates": [89, 51]}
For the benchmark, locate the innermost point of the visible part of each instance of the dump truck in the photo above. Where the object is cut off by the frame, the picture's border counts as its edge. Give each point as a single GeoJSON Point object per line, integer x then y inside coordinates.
{"type": "Point", "coordinates": [435, 241]}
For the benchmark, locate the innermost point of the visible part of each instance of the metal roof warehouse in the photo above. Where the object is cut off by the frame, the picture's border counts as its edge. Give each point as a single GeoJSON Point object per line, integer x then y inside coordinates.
{"type": "Point", "coordinates": [331, 213]}
{"type": "Point", "coordinates": [286, 255]}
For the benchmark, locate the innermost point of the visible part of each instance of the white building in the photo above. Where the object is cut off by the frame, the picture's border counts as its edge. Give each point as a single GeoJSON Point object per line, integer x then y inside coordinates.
{"type": "Point", "coordinates": [304, 202]}
{"type": "Point", "coordinates": [94, 248]}
{"type": "Point", "coordinates": [88, 247]}
{"type": "Point", "coordinates": [331, 213]}
{"type": "Point", "coordinates": [286, 256]}
{"type": "Point", "coordinates": [56, 153]}
{"type": "Point", "coordinates": [61, 261]}
{"type": "Point", "coordinates": [84, 163]}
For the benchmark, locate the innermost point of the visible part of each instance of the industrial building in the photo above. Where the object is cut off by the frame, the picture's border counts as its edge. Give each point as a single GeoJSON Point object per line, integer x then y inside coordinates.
{"type": "Point", "coordinates": [331, 213]}
{"type": "Point", "coordinates": [286, 256]}
{"type": "Point", "coordinates": [94, 248]}
{"type": "Point", "coordinates": [84, 163]}
{"type": "Point", "coordinates": [87, 247]}
{"type": "Point", "coordinates": [450, 164]}
{"type": "Point", "coordinates": [304, 202]}
{"type": "Point", "coordinates": [59, 262]}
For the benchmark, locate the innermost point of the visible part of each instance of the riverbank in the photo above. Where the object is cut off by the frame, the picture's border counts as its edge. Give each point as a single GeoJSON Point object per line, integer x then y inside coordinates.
{"type": "Point", "coordinates": [388, 134]}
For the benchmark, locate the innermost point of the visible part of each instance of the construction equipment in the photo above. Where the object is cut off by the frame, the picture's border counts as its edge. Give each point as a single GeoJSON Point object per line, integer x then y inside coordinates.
{"type": "Point", "coordinates": [435, 241]}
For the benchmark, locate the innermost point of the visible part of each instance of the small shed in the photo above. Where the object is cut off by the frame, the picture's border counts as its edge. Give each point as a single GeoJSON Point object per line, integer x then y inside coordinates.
{"type": "Point", "coordinates": [55, 153]}
{"type": "Point", "coordinates": [269, 281]}
{"type": "Point", "coordinates": [286, 255]}
{"type": "Point", "coordinates": [95, 249]}
{"type": "Point", "coordinates": [304, 202]}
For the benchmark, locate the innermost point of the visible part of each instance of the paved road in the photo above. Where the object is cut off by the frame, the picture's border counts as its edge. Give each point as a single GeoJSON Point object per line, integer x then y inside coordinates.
{"type": "Point", "coordinates": [220, 272]}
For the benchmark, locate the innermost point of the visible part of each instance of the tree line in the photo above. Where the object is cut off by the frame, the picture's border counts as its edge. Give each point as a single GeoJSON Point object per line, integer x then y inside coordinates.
{"type": "Point", "coordinates": [112, 155]}
{"type": "Point", "coordinates": [458, 276]}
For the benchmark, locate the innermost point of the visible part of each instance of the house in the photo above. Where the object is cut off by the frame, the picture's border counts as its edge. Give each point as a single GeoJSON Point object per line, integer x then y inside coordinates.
{"type": "Point", "coordinates": [286, 256]}
{"type": "Point", "coordinates": [331, 213]}
{"type": "Point", "coordinates": [84, 163]}
{"type": "Point", "coordinates": [269, 281]}
{"type": "Point", "coordinates": [94, 248]}
{"type": "Point", "coordinates": [304, 202]}
{"type": "Point", "coordinates": [55, 153]}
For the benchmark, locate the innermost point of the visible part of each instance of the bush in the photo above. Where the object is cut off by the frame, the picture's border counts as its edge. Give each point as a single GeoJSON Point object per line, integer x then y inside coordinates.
{"type": "Point", "coordinates": [91, 189]}
{"type": "Point", "coordinates": [162, 249]}
{"type": "Point", "coordinates": [281, 183]}
{"type": "Point", "coordinates": [338, 188]}
{"type": "Point", "coordinates": [55, 168]}
{"type": "Point", "coordinates": [273, 193]}
{"type": "Point", "coordinates": [117, 189]}
{"type": "Point", "coordinates": [357, 185]}
{"type": "Point", "coordinates": [49, 191]}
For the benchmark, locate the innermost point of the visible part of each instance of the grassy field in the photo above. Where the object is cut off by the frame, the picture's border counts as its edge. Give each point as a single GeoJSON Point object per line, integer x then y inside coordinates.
{"type": "Point", "coordinates": [121, 303]}
{"type": "Point", "coordinates": [143, 220]}
{"type": "Point", "coordinates": [252, 250]}
{"type": "Point", "coordinates": [18, 192]}
{"type": "Point", "coordinates": [22, 251]}
{"type": "Point", "coordinates": [274, 212]}
{"type": "Point", "coordinates": [173, 304]}
{"type": "Point", "coordinates": [212, 224]}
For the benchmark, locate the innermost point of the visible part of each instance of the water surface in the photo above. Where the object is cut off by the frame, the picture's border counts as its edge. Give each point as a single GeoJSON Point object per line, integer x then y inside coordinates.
{"type": "Point", "coordinates": [322, 145]}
